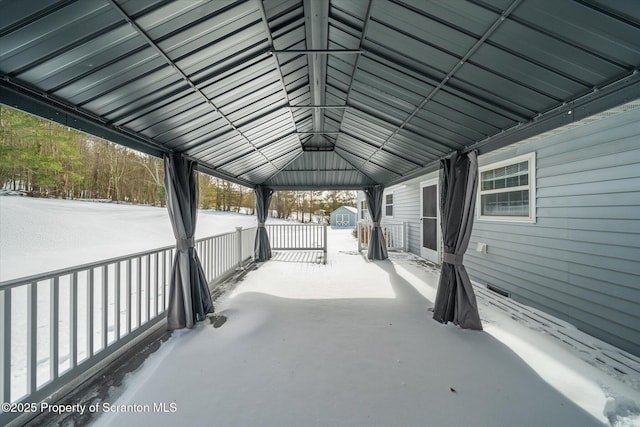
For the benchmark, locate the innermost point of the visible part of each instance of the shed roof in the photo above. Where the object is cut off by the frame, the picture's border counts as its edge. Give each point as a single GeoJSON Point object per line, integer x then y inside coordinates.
{"type": "Point", "coordinates": [318, 93]}
{"type": "Point", "coordinates": [348, 208]}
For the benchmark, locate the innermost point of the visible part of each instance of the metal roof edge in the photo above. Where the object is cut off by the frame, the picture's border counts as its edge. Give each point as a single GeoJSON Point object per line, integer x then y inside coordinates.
{"type": "Point", "coordinates": [41, 105]}
{"type": "Point", "coordinates": [218, 174]}
{"type": "Point", "coordinates": [599, 99]}
{"type": "Point", "coordinates": [610, 96]}
{"type": "Point", "coordinates": [315, 187]}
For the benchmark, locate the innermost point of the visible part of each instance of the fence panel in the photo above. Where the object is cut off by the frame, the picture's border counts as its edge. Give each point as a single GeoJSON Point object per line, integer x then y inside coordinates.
{"type": "Point", "coordinates": [89, 313]}
{"type": "Point", "coordinates": [298, 237]}
{"type": "Point", "coordinates": [394, 234]}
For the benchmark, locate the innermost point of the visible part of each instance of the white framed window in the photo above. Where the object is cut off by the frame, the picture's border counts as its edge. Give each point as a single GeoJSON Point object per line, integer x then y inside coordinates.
{"type": "Point", "coordinates": [364, 210]}
{"type": "Point", "coordinates": [388, 205]}
{"type": "Point", "coordinates": [507, 190]}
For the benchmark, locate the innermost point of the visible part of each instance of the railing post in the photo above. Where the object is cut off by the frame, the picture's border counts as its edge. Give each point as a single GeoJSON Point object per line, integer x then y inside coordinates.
{"type": "Point", "coordinates": [5, 338]}
{"type": "Point", "coordinates": [405, 240]}
{"type": "Point", "coordinates": [32, 336]}
{"type": "Point", "coordinates": [54, 316]}
{"type": "Point", "coordinates": [326, 243]}
{"type": "Point", "coordinates": [359, 236]}
{"type": "Point", "coordinates": [239, 239]}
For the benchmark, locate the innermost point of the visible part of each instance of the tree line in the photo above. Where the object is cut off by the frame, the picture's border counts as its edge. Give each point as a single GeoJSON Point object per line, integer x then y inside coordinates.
{"type": "Point", "coordinates": [44, 159]}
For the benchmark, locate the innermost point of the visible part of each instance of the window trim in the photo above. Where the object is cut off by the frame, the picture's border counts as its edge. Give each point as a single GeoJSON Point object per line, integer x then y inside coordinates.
{"type": "Point", "coordinates": [385, 205]}
{"type": "Point", "coordinates": [531, 218]}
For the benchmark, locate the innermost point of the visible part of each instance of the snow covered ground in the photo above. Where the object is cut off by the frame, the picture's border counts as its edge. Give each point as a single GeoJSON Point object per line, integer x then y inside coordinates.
{"type": "Point", "coordinates": [353, 343]}
{"type": "Point", "coordinates": [347, 343]}
{"type": "Point", "coordinates": [40, 235]}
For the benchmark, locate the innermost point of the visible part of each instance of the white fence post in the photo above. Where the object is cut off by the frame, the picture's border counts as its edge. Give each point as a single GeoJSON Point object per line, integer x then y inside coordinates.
{"type": "Point", "coordinates": [326, 242]}
{"type": "Point", "coordinates": [239, 239]}
{"type": "Point", "coordinates": [5, 353]}
{"type": "Point", "coordinates": [405, 233]}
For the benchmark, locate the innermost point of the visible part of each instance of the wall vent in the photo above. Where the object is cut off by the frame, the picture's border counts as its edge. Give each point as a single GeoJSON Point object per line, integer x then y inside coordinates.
{"type": "Point", "coordinates": [499, 291]}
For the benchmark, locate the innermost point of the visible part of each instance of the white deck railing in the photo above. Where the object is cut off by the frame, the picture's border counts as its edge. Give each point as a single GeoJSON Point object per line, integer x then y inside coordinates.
{"type": "Point", "coordinates": [395, 234]}
{"type": "Point", "coordinates": [56, 326]}
{"type": "Point", "coordinates": [298, 237]}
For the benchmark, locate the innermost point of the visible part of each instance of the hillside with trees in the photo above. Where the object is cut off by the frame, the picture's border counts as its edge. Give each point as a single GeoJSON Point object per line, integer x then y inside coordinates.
{"type": "Point", "coordinates": [41, 158]}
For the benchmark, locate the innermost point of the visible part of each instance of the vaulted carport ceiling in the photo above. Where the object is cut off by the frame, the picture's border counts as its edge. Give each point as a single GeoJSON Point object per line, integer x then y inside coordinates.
{"type": "Point", "coordinates": [318, 93]}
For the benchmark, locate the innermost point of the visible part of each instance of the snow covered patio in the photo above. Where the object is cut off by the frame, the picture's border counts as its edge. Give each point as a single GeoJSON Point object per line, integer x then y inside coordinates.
{"type": "Point", "coordinates": [352, 343]}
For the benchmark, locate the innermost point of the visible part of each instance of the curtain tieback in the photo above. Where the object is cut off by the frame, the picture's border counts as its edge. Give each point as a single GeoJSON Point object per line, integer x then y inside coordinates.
{"type": "Point", "coordinates": [376, 224]}
{"type": "Point", "coordinates": [452, 258]}
{"type": "Point", "coordinates": [185, 243]}
{"type": "Point", "coordinates": [261, 224]}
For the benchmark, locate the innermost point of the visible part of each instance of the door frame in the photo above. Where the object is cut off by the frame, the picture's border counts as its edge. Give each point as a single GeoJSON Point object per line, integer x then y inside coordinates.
{"type": "Point", "coordinates": [435, 256]}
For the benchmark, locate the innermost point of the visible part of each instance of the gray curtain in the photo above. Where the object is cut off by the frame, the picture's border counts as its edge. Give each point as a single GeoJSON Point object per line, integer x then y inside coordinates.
{"type": "Point", "coordinates": [455, 300]}
{"type": "Point", "coordinates": [262, 245]}
{"type": "Point", "coordinates": [189, 297]}
{"type": "Point", "coordinates": [377, 244]}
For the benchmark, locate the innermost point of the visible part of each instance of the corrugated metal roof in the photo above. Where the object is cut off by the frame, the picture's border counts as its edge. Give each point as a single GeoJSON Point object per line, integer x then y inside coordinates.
{"type": "Point", "coordinates": [318, 93]}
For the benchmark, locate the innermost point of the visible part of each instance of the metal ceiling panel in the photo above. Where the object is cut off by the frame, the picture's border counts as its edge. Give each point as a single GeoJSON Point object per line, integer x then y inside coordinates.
{"type": "Point", "coordinates": [224, 149]}
{"type": "Point", "coordinates": [259, 173]}
{"type": "Point", "coordinates": [197, 137]}
{"type": "Point", "coordinates": [244, 163]}
{"type": "Point", "coordinates": [586, 27]}
{"type": "Point", "coordinates": [239, 82]}
{"type": "Point", "coordinates": [55, 31]}
{"type": "Point", "coordinates": [188, 129]}
{"type": "Point", "coordinates": [419, 28]}
{"type": "Point", "coordinates": [424, 150]}
{"type": "Point", "coordinates": [282, 146]}
{"type": "Point", "coordinates": [542, 48]}
{"type": "Point", "coordinates": [386, 88]}
{"type": "Point", "coordinates": [94, 54]}
{"type": "Point", "coordinates": [380, 173]}
{"type": "Point", "coordinates": [153, 110]}
{"type": "Point", "coordinates": [319, 169]}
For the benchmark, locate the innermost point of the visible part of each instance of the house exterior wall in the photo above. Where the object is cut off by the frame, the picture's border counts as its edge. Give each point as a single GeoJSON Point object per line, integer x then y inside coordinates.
{"type": "Point", "coordinates": [580, 259]}
{"type": "Point", "coordinates": [406, 208]}
{"type": "Point", "coordinates": [362, 214]}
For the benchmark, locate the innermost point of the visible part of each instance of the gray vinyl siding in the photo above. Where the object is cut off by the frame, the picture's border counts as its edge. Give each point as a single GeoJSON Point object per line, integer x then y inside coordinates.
{"type": "Point", "coordinates": [406, 207]}
{"type": "Point", "coordinates": [580, 260]}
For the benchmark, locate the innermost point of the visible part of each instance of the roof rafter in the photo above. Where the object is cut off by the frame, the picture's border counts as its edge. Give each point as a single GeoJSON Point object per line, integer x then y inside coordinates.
{"type": "Point", "coordinates": [265, 22]}
{"type": "Point", "coordinates": [450, 74]}
{"type": "Point", "coordinates": [184, 77]}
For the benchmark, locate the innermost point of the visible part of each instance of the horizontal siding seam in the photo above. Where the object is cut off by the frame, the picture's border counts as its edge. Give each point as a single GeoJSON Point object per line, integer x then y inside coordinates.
{"type": "Point", "coordinates": [479, 237]}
